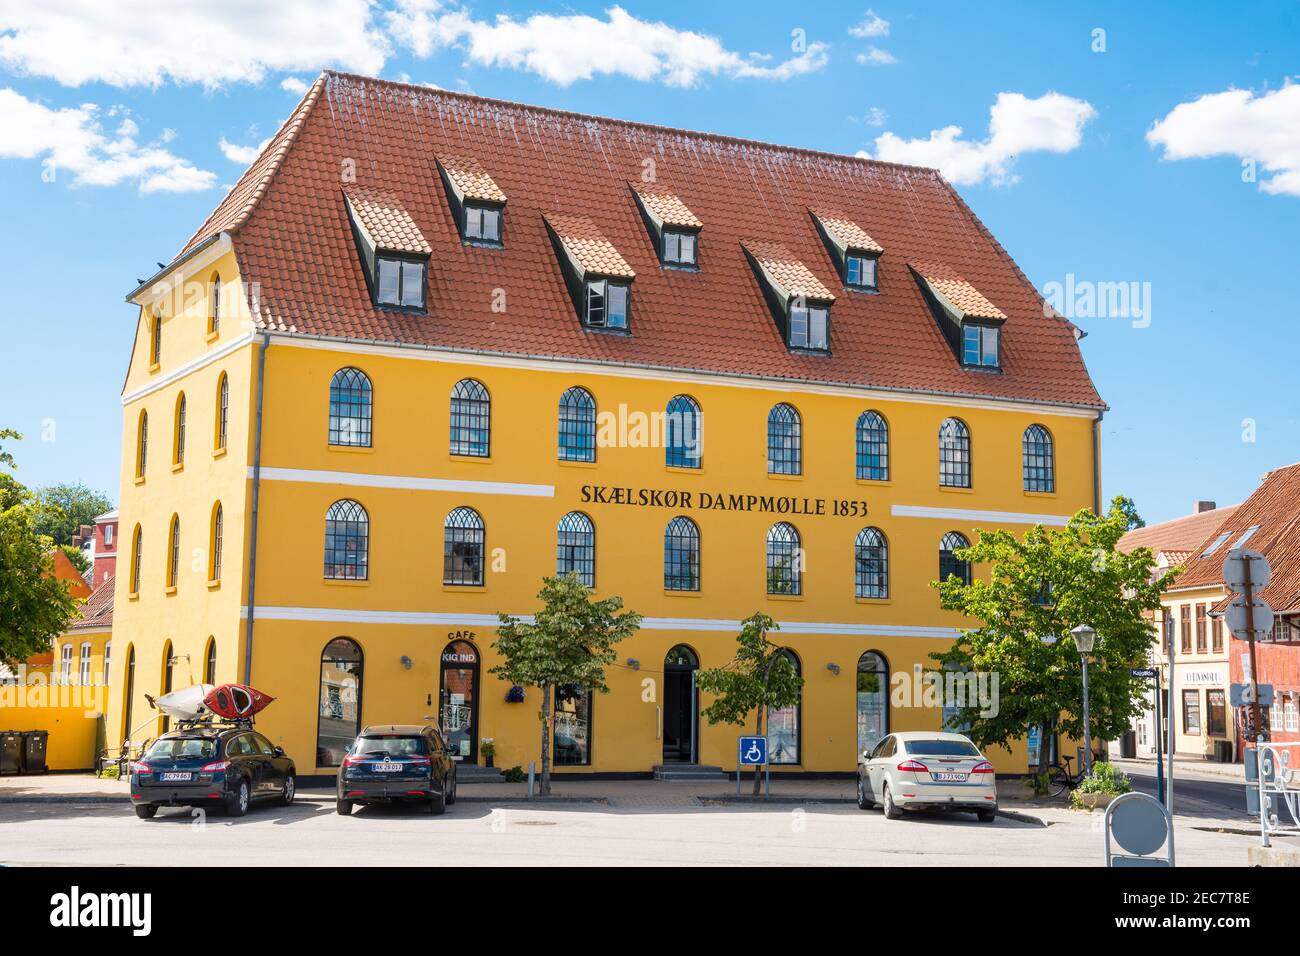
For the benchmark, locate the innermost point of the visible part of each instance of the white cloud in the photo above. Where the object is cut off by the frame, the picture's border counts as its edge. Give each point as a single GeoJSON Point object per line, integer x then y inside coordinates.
{"type": "Point", "coordinates": [876, 117]}
{"type": "Point", "coordinates": [291, 84]}
{"type": "Point", "coordinates": [876, 57]}
{"type": "Point", "coordinates": [85, 41]}
{"type": "Point", "coordinates": [241, 154]}
{"type": "Point", "coordinates": [1052, 123]}
{"type": "Point", "coordinates": [73, 142]}
{"type": "Point", "coordinates": [871, 26]}
{"type": "Point", "coordinates": [1238, 123]}
{"type": "Point", "coordinates": [564, 49]}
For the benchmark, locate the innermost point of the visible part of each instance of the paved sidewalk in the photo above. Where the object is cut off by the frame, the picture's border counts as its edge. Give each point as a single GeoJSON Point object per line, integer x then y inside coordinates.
{"type": "Point", "coordinates": [1195, 769]}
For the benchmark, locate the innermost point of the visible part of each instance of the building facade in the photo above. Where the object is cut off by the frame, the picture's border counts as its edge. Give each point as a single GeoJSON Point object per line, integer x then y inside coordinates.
{"type": "Point", "coordinates": [712, 377]}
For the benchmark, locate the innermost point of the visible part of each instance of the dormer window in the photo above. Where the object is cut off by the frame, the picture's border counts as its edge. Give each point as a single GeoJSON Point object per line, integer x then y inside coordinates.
{"type": "Point", "coordinates": [855, 254]}
{"type": "Point", "coordinates": [971, 323]}
{"type": "Point", "coordinates": [607, 304]}
{"type": "Point", "coordinates": [401, 282]}
{"type": "Point", "coordinates": [679, 247]}
{"type": "Point", "coordinates": [979, 345]}
{"type": "Point", "coordinates": [799, 302]}
{"type": "Point", "coordinates": [483, 223]}
{"type": "Point", "coordinates": [809, 327]}
{"type": "Point", "coordinates": [860, 272]}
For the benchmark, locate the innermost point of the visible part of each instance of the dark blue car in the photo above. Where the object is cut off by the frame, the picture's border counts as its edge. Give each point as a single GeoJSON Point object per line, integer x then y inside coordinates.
{"type": "Point", "coordinates": [398, 763]}
{"type": "Point", "coordinates": [221, 765]}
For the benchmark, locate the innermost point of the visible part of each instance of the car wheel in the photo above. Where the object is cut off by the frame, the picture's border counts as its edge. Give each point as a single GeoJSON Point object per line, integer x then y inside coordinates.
{"type": "Point", "coordinates": [289, 791]}
{"type": "Point", "coordinates": [237, 803]}
{"type": "Point", "coordinates": [438, 804]}
{"type": "Point", "coordinates": [863, 802]}
{"type": "Point", "coordinates": [145, 811]}
{"type": "Point", "coordinates": [892, 810]}
{"type": "Point", "coordinates": [987, 816]}
{"type": "Point", "coordinates": [344, 808]}
{"type": "Point", "coordinates": [451, 791]}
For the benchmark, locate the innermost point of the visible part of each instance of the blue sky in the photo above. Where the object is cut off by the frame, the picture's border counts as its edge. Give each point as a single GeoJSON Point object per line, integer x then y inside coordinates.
{"type": "Point", "coordinates": [1164, 152]}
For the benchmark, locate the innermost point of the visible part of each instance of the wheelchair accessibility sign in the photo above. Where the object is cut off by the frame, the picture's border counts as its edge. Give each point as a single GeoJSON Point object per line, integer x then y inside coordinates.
{"type": "Point", "coordinates": [753, 751]}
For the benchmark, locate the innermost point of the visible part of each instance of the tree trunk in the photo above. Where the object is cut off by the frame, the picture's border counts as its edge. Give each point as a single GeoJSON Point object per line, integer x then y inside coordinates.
{"type": "Point", "coordinates": [758, 732]}
{"type": "Point", "coordinates": [544, 784]}
{"type": "Point", "coordinates": [1044, 747]}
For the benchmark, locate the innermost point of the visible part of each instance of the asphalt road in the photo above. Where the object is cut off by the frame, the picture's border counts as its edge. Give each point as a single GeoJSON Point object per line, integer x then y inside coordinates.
{"type": "Point", "coordinates": [1227, 798]}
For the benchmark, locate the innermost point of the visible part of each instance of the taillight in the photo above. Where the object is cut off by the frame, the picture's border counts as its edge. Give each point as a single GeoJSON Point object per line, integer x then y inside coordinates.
{"type": "Point", "coordinates": [141, 767]}
{"type": "Point", "coordinates": [214, 767]}
{"type": "Point", "coordinates": [351, 760]}
{"type": "Point", "coordinates": [913, 766]}
{"type": "Point", "coordinates": [982, 767]}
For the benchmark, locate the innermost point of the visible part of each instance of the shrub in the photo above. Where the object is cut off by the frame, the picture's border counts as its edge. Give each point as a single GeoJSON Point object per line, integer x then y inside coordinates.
{"type": "Point", "coordinates": [514, 774]}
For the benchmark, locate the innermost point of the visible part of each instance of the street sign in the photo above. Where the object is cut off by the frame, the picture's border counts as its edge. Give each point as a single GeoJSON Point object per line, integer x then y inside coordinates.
{"type": "Point", "coordinates": [1235, 618]}
{"type": "Point", "coordinates": [1234, 570]}
{"type": "Point", "coordinates": [1240, 695]}
{"type": "Point", "coordinates": [752, 751]}
{"type": "Point", "coordinates": [1143, 672]}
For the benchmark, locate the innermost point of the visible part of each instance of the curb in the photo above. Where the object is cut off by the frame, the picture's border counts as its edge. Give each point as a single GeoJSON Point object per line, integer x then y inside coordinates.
{"type": "Point", "coordinates": [1022, 817]}
{"type": "Point", "coordinates": [716, 800]}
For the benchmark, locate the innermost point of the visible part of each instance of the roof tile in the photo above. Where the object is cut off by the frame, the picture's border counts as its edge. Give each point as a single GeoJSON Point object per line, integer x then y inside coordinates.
{"type": "Point", "coordinates": [786, 270]}
{"type": "Point", "coordinates": [949, 284]}
{"type": "Point", "coordinates": [588, 245]}
{"type": "Point", "coordinates": [668, 208]}
{"type": "Point", "coordinates": [846, 232]}
{"type": "Point", "coordinates": [471, 178]}
{"type": "Point", "coordinates": [382, 216]}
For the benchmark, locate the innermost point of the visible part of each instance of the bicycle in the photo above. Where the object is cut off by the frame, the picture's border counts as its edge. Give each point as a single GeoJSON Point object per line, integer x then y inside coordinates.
{"type": "Point", "coordinates": [1061, 779]}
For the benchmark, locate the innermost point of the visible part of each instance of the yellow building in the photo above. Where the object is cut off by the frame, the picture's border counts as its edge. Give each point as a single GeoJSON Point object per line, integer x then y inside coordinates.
{"type": "Point", "coordinates": [433, 347]}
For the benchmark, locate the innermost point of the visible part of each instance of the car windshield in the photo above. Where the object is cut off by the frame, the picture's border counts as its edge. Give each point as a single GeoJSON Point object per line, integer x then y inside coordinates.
{"type": "Point", "coordinates": [182, 748]}
{"type": "Point", "coordinates": [391, 746]}
{"type": "Point", "coordinates": [938, 747]}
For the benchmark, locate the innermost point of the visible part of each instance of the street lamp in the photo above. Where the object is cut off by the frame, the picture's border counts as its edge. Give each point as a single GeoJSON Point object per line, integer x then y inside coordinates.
{"type": "Point", "coordinates": [1084, 638]}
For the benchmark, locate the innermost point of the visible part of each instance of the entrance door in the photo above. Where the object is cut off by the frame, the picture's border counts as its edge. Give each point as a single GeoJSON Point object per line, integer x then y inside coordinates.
{"type": "Point", "coordinates": [680, 723]}
{"type": "Point", "coordinates": [458, 700]}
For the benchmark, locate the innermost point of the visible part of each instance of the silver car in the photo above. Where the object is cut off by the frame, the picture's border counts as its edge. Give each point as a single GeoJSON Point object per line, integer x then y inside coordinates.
{"type": "Point", "coordinates": [933, 770]}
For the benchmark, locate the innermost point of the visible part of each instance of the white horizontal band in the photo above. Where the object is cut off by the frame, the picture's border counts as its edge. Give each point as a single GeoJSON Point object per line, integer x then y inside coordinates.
{"type": "Point", "coordinates": [405, 482]}
{"type": "Point", "coordinates": [969, 514]}
{"type": "Point", "coordinates": [191, 366]}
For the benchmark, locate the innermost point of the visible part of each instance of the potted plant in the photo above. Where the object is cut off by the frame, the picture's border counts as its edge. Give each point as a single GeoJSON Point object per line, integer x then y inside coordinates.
{"type": "Point", "coordinates": [488, 748]}
{"type": "Point", "coordinates": [515, 695]}
{"type": "Point", "coordinates": [1100, 787]}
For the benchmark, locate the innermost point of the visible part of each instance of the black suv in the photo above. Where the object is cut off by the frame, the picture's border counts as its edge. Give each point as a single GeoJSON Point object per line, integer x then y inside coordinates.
{"type": "Point", "coordinates": [229, 765]}
{"type": "Point", "coordinates": [398, 762]}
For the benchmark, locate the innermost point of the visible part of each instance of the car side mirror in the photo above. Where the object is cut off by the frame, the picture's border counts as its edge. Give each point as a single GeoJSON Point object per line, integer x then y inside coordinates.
{"type": "Point", "coordinates": [279, 751]}
{"type": "Point", "coordinates": [866, 755]}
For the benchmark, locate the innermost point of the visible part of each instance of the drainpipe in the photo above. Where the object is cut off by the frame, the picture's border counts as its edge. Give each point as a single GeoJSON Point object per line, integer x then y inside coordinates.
{"type": "Point", "coordinates": [1096, 463]}
{"type": "Point", "coordinates": [257, 490]}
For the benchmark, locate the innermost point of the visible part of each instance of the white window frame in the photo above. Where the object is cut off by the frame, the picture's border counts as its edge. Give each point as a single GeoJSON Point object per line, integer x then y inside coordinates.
{"type": "Point", "coordinates": [83, 665]}
{"type": "Point", "coordinates": [65, 664]}
{"type": "Point", "coordinates": [108, 658]}
{"type": "Point", "coordinates": [476, 218]}
{"type": "Point", "coordinates": [676, 242]}
{"type": "Point", "coordinates": [403, 265]}
{"type": "Point", "coordinates": [865, 264]}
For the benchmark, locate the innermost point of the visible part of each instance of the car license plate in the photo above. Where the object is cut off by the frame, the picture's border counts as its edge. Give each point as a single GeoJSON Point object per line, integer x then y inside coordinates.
{"type": "Point", "coordinates": [949, 777]}
{"type": "Point", "coordinates": [388, 766]}
{"type": "Point", "coordinates": [174, 776]}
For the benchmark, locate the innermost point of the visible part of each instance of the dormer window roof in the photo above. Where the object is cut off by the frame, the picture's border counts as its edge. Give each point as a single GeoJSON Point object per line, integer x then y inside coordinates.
{"type": "Point", "coordinates": [855, 254]}
{"type": "Point", "coordinates": [971, 323]}
{"type": "Point", "coordinates": [394, 253]}
{"type": "Point", "coordinates": [673, 228]}
{"type": "Point", "coordinates": [598, 278]}
{"type": "Point", "coordinates": [477, 202]}
{"type": "Point", "coordinates": [800, 303]}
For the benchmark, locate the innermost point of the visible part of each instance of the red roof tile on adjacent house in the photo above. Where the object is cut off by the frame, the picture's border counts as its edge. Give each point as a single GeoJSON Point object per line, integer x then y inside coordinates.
{"type": "Point", "coordinates": [965, 297]}
{"type": "Point", "coordinates": [588, 245]}
{"type": "Point", "coordinates": [1187, 533]}
{"type": "Point", "coordinates": [786, 270]}
{"type": "Point", "coordinates": [846, 232]}
{"type": "Point", "coordinates": [292, 238]}
{"type": "Point", "coordinates": [667, 208]}
{"type": "Point", "coordinates": [382, 216]}
{"type": "Point", "coordinates": [471, 178]}
{"type": "Point", "coordinates": [98, 610]}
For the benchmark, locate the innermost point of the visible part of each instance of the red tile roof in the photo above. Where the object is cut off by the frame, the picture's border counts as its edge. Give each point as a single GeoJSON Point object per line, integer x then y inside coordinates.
{"type": "Point", "coordinates": [471, 179]}
{"type": "Point", "coordinates": [786, 270]}
{"type": "Point", "coordinates": [291, 237]}
{"type": "Point", "coordinates": [98, 609]}
{"type": "Point", "coordinates": [846, 232]}
{"type": "Point", "coordinates": [588, 245]}
{"type": "Point", "coordinates": [1187, 533]}
{"type": "Point", "coordinates": [667, 207]}
{"type": "Point", "coordinates": [382, 216]}
{"type": "Point", "coordinates": [965, 297]}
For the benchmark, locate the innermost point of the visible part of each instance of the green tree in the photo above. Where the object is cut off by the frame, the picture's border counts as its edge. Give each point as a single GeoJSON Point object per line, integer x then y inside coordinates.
{"type": "Point", "coordinates": [569, 644]}
{"type": "Point", "coordinates": [35, 606]}
{"type": "Point", "coordinates": [1126, 505]}
{"type": "Point", "coordinates": [760, 678]}
{"type": "Point", "coordinates": [76, 556]}
{"type": "Point", "coordinates": [1043, 586]}
{"type": "Point", "coordinates": [67, 508]}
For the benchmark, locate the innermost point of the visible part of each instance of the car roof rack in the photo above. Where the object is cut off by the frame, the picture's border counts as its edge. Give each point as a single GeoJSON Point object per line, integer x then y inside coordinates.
{"type": "Point", "coordinates": [213, 722]}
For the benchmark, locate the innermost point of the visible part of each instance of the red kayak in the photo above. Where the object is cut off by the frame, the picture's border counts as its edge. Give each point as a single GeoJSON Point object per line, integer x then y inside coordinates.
{"type": "Point", "coordinates": [236, 701]}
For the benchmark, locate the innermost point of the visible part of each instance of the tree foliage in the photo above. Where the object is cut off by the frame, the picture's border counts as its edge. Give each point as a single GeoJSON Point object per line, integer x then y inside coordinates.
{"type": "Point", "coordinates": [568, 644]}
{"type": "Point", "coordinates": [1042, 586]}
{"type": "Point", "coordinates": [66, 508]}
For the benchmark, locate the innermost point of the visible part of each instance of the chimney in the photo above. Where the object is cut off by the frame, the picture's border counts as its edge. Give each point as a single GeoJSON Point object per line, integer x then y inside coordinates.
{"type": "Point", "coordinates": [1202, 506]}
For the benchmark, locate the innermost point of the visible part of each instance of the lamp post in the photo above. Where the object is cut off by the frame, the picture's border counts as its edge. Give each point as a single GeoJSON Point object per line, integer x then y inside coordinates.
{"type": "Point", "coordinates": [1084, 638]}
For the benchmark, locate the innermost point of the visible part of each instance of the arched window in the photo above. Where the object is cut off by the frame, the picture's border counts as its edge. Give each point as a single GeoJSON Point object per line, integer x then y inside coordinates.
{"type": "Point", "coordinates": [462, 548]}
{"type": "Point", "coordinates": [174, 552]}
{"type": "Point", "coordinates": [142, 444]}
{"type": "Point", "coordinates": [471, 419]}
{"type": "Point", "coordinates": [872, 700]}
{"type": "Point", "coordinates": [135, 560]}
{"type": "Point", "coordinates": [681, 555]}
{"type": "Point", "coordinates": [949, 563]}
{"type": "Point", "coordinates": [178, 432]}
{"type": "Point", "coordinates": [169, 671]}
{"type": "Point", "coordinates": [954, 454]}
{"type": "Point", "coordinates": [575, 548]}
{"type": "Point", "coordinates": [223, 411]}
{"type": "Point", "coordinates": [351, 408]}
{"type": "Point", "coordinates": [128, 695]}
{"type": "Point", "coordinates": [683, 423]}
{"type": "Point", "coordinates": [577, 425]}
{"type": "Point", "coordinates": [871, 564]}
{"type": "Point", "coordinates": [784, 447]}
{"type": "Point", "coordinates": [783, 724]}
{"type": "Point", "coordinates": [1039, 466]}
{"type": "Point", "coordinates": [210, 662]}
{"type": "Point", "coordinates": [784, 560]}
{"type": "Point", "coordinates": [215, 543]}
{"type": "Point", "coordinates": [339, 711]}
{"type": "Point", "coordinates": [872, 447]}
{"type": "Point", "coordinates": [347, 541]}
{"type": "Point", "coordinates": [214, 316]}
{"type": "Point", "coordinates": [155, 340]}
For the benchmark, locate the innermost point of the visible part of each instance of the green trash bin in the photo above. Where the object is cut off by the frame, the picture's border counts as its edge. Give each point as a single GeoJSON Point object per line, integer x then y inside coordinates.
{"type": "Point", "coordinates": [11, 751]}
{"type": "Point", "coordinates": [34, 745]}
